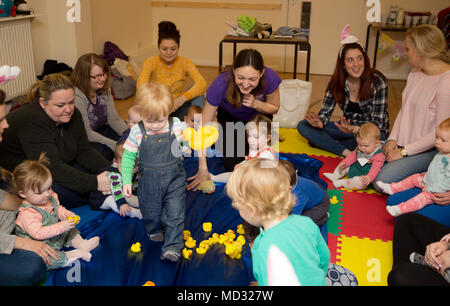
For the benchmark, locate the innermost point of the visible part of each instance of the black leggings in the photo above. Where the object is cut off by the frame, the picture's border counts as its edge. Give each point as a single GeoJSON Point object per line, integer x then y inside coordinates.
{"type": "Point", "coordinates": [412, 233]}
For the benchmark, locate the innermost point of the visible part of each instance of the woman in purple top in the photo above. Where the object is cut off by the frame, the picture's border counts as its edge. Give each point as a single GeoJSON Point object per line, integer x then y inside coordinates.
{"type": "Point", "coordinates": [238, 94]}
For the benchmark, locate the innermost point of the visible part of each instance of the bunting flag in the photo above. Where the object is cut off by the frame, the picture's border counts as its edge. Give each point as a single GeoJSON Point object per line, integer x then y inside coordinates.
{"type": "Point", "coordinates": [385, 43]}
{"type": "Point", "coordinates": [399, 52]}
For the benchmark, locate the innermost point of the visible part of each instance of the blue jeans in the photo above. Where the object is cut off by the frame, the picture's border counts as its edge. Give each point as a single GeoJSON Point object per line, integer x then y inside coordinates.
{"type": "Point", "coordinates": [21, 268]}
{"type": "Point", "coordinates": [398, 170]}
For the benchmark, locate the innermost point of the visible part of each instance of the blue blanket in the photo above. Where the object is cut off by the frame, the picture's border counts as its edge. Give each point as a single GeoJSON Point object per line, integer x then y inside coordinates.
{"type": "Point", "coordinates": [113, 264]}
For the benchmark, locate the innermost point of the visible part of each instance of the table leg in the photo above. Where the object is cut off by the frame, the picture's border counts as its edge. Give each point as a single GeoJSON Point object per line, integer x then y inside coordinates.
{"type": "Point", "coordinates": [308, 60]}
{"type": "Point", "coordinates": [295, 60]}
{"type": "Point", "coordinates": [220, 55]}
{"type": "Point", "coordinates": [376, 49]}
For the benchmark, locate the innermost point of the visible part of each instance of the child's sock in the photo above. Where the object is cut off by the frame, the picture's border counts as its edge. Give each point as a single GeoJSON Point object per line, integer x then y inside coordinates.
{"type": "Point", "coordinates": [354, 183]}
{"type": "Point", "coordinates": [220, 178]}
{"type": "Point", "coordinates": [135, 213]}
{"type": "Point", "coordinates": [77, 254]}
{"type": "Point", "coordinates": [394, 211]}
{"type": "Point", "coordinates": [109, 203]}
{"type": "Point", "coordinates": [86, 245]}
{"type": "Point", "coordinates": [335, 175]}
{"type": "Point", "coordinates": [385, 187]}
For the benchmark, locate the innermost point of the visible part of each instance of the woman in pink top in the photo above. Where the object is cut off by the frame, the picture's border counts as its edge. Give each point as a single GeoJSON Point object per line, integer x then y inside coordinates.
{"type": "Point", "coordinates": [425, 104]}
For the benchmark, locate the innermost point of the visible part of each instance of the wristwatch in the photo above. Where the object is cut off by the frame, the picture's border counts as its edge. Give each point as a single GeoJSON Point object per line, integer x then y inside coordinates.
{"type": "Point", "coordinates": [403, 152]}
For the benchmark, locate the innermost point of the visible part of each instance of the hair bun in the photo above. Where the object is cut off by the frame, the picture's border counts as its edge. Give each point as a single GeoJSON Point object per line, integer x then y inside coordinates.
{"type": "Point", "coordinates": [167, 27]}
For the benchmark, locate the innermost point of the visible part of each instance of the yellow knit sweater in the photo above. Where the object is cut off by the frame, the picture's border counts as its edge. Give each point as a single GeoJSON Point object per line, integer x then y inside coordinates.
{"type": "Point", "coordinates": [174, 76]}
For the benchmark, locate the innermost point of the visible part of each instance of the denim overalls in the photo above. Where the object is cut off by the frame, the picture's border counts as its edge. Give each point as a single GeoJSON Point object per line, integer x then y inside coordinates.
{"type": "Point", "coordinates": [57, 242]}
{"type": "Point", "coordinates": [162, 186]}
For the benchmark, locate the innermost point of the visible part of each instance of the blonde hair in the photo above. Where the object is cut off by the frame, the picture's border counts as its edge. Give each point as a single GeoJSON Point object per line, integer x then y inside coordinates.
{"type": "Point", "coordinates": [264, 189]}
{"type": "Point", "coordinates": [47, 86]}
{"type": "Point", "coordinates": [429, 42]}
{"type": "Point", "coordinates": [153, 100]}
{"type": "Point", "coordinates": [31, 174]}
{"type": "Point", "coordinates": [445, 125]}
{"type": "Point", "coordinates": [369, 130]}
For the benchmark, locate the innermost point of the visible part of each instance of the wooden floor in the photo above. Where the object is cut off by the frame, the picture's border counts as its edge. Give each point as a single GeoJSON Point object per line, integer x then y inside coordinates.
{"type": "Point", "coordinates": [319, 84]}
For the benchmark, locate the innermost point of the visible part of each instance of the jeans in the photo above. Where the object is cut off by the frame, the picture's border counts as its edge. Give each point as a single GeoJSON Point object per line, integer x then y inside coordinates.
{"type": "Point", "coordinates": [398, 170]}
{"type": "Point", "coordinates": [21, 268]}
{"type": "Point", "coordinates": [328, 138]}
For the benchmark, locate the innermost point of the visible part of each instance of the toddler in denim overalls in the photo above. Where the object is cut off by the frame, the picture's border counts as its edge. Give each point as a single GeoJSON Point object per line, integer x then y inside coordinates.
{"type": "Point", "coordinates": [162, 178]}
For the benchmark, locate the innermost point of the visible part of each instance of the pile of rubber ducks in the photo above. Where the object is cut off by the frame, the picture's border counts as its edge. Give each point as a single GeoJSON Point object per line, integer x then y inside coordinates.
{"type": "Point", "coordinates": [233, 247]}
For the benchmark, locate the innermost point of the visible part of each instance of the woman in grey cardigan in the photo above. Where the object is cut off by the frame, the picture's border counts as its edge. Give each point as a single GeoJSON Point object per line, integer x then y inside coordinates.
{"type": "Point", "coordinates": [92, 79]}
{"type": "Point", "coordinates": [21, 260]}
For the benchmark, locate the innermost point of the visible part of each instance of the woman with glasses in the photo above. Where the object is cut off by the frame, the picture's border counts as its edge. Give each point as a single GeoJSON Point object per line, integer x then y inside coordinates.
{"type": "Point", "coordinates": [92, 80]}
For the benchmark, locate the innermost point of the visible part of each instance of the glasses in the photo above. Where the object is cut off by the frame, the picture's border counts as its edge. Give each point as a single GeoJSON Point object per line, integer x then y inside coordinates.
{"type": "Point", "coordinates": [98, 76]}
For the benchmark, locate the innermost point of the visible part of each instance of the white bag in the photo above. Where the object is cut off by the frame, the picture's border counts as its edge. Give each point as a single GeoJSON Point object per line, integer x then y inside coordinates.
{"type": "Point", "coordinates": [295, 96]}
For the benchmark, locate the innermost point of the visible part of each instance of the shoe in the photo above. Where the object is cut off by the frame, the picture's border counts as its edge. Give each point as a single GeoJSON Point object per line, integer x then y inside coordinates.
{"type": "Point", "coordinates": [158, 236]}
{"type": "Point", "coordinates": [171, 255]}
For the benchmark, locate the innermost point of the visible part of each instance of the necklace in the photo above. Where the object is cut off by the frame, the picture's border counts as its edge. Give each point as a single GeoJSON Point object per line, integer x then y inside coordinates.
{"type": "Point", "coordinates": [353, 88]}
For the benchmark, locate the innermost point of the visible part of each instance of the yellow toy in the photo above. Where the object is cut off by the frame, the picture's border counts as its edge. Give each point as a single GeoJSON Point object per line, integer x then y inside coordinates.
{"type": "Point", "coordinates": [231, 235]}
{"type": "Point", "coordinates": [203, 138]}
{"type": "Point", "coordinates": [202, 247]}
{"type": "Point", "coordinates": [207, 187]}
{"type": "Point", "coordinates": [233, 249]}
{"type": "Point", "coordinates": [186, 253]}
{"type": "Point", "coordinates": [213, 239]}
{"type": "Point", "coordinates": [334, 200]}
{"type": "Point", "coordinates": [190, 243]}
{"type": "Point", "coordinates": [223, 238]}
{"type": "Point", "coordinates": [75, 217]}
{"type": "Point", "coordinates": [149, 283]}
{"type": "Point", "coordinates": [240, 229]}
{"type": "Point", "coordinates": [207, 226]}
{"type": "Point", "coordinates": [186, 234]}
{"type": "Point", "coordinates": [136, 247]}
{"type": "Point", "coordinates": [241, 239]}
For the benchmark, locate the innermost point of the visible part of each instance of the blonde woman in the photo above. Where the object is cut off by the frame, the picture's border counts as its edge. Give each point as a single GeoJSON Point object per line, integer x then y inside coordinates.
{"type": "Point", "coordinates": [50, 123]}
{"type": "Point", "coordinates": [425, 104]}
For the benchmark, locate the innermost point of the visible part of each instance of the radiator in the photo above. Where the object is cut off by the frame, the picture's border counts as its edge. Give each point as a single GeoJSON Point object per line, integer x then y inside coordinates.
{"type": "Point", "coordinates": [16, 49]}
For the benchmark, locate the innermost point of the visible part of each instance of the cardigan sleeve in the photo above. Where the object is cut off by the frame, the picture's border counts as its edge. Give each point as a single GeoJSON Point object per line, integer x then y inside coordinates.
{"type": "Point", "coordinates": [199, 86]}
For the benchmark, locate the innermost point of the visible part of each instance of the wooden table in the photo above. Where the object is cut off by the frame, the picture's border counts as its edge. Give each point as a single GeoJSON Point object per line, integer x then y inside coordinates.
{"type": "Point", "coordinates": [299, 44]}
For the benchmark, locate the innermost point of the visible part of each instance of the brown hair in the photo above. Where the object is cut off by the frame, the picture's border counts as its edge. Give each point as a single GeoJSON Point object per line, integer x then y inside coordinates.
{"type": "Point", "coordinates": [291, 171]}
{"type": "Point", "coordinates": [337, 81]}
{"type": "Point", "coordinates": [31, 174]}
{"type": "Point", "coordinates": [445, 125]}
{"type": "Point", "coordinates": [246, 57]}
{"type": "Point", "coordinates": [47, 86]}
{"type": "Point", "coordinates": [81, 75]}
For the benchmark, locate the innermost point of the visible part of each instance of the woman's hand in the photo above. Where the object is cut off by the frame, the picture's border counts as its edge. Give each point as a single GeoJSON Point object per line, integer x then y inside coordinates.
{"type": "Point", "coordinates": [103, 182]}
{"type": "Point", "coordinates": [394, 155]}
{"type": "Point", "coordinates": [441, 198]}
{"type": "Point", "coordinates": [345, 126]}
{"type": "Point", "coordinates": [249, 100]}
{"type": "Point", "coordinates": [314, 120]}
{"type": "Point", "coordinates": [38, 247]}
{"type": "Point", "coordinates": [433, 252]}
{"type": "Point", "coordinates": [389, 146]}
{"type": "Point", "coordinates": [202, 175]}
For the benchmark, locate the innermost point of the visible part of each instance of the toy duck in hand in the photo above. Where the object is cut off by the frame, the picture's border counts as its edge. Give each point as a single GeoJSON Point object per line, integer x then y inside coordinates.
{"type": "Point", "coordinates": [190, 243]}
{"type": "Point", "coordinates": [74, 217]}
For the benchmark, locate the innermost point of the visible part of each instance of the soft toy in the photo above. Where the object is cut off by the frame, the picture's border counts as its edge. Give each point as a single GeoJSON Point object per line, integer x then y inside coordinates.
{"type": "Point", "coordinates": [254, 27]}
{"type": "Point", "coordinates": [7, 8]}
{"type": "Point", "coordinates": [8, 73]}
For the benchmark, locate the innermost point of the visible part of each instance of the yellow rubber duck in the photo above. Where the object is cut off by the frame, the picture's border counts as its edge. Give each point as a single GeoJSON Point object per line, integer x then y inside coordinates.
{"type": "Point", "coordinates": [75, 217]}
{"type": "Point", "coordinates": [190, 243]}
{"type": "Point", "coordinates": [136, 247]}
{"type": "Point", "coordinates": [223, 238]}
{"type": "Point", "coordinates": [213, 239]}
{"type": "Point", "coordinates": [186, 234]}
{"type": "Point", "coordinates": [231, 235]}
{"type": "Point", "coordinates": [207, 187]}
{"type": "Point", "coordinates": [202, 247]}
{"type": "Point", "coordinates": [149, 283]}
{"type": "Point", "coordinates": [186, 253]}
{"type": "Point", "coordinates": [334, 200]}
{"type": "Point", "coordinates": [233, 249]}
{"type": "Point", "coordinates": [240, 229]}
{"type": "Point", "coordinates": [207, 226]}
{"type": "Point", "coordinates": [241, 239]}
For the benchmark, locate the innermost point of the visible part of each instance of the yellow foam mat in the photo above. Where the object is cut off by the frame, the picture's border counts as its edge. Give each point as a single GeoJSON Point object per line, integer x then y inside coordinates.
{"type": "Point", "coordinates": [292, 142]}
{"type": "Point", "coordinates": [369, 260]}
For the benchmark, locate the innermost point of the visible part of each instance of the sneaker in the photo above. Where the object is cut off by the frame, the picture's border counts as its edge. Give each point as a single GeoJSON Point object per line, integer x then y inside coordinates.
{"type": "Point", "coordinates": [158, 236]}
{"type": "Point", "coordinates": [171, 255]}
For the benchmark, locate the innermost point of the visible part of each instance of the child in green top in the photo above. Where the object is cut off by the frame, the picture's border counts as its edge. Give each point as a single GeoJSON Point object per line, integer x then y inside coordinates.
{"type": "Point", "coordinates": [260, 190]}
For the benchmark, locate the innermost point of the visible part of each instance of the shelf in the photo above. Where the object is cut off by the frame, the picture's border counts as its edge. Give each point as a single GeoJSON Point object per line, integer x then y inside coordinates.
{"type": "Point", "coordinates": [18, 17]}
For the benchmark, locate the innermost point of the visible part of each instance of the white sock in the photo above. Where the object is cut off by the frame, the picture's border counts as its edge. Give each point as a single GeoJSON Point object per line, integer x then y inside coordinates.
{"type": "Point", "coordinates": [133, 201]}
{"type": "Point", "coordinates": [87, 245]}
{"type": "Point", "coordinates": [335, 175]}
{"type": "Point", "coordinates": [135, 213]}
{"type": "Point", "coordinates": [385, 187]}
{"type": "Point", "coordinates": [109, 203]}
{"type": "Point", "coordinates": [77, 254]}
{"type": "Point", "coordinates": [394, 211]}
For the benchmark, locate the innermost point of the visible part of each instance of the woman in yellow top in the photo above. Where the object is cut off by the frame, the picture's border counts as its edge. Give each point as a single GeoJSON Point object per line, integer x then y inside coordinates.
{"type": "Point", "coordinates": [172, 70]}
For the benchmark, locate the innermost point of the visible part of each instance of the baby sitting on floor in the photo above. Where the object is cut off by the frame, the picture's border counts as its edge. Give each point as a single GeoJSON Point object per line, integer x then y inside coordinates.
{"type": "Point", "coordinates": [363, 164]}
